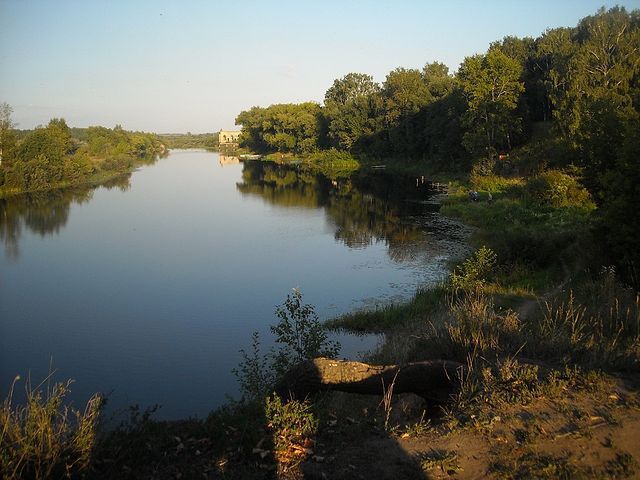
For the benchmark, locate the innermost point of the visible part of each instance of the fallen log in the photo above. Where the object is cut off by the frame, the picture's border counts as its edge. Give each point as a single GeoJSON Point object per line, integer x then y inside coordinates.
{"type": "Point", "coordinates": [431, 379]}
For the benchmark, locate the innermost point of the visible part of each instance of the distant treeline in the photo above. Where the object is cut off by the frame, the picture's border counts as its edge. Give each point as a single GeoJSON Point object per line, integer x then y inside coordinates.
{"type": "Point", "coordinates": [568, 100]}
{"type": "Point", "coordinates": [57, 155]}
{"type": "Point", "coordinates": [188, 140]}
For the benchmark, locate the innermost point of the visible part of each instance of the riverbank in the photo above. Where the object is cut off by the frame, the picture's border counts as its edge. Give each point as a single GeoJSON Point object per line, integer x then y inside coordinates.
{"type": "Point", "coordinates": [57, 156]}
{"type": "Point", "coordinates": [95, 180]}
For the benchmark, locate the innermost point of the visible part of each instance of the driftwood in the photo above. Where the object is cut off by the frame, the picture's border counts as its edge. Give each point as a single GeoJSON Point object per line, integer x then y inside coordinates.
{"type": "Point", "coordinates": [432, 379]}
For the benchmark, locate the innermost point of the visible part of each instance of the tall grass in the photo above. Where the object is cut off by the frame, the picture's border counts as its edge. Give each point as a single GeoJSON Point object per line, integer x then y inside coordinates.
{"type": "Point", "coordinates": [604, 335]}
{"type": "Point", "coordinates": [44, 438]}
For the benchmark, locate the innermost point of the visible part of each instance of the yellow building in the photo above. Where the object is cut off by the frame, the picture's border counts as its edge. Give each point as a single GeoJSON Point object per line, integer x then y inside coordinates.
{"type": "Point", "coordinates": [228, 137]}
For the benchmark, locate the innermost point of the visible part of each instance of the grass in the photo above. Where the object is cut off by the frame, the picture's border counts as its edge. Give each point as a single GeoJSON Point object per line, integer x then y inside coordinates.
{"type": "Point", "coordinates": [44, 438]}
{"type": "Point", "coordinates": [390, 317]}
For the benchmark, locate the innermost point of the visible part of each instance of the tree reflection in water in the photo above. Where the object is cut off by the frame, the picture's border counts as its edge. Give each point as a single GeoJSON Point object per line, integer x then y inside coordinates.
{"type": "Point", "coordinates": [44, 213]}
{"type": "Point", "coordinates": [365, 209]}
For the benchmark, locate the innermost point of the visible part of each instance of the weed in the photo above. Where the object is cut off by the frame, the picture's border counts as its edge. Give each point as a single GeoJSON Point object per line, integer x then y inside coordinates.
{"type": "Point", "coordinates": [623, 466]}
{"type": "Point", "coordinates": [45, 438]}
{"type": "Point", "coordinates": [254, 372]}
{"type": "Point", "coordinates": [474, 270]}
{"type": "Point", "coordinates": [418, 429]}
{"type": "Point", "coordinates": [535, 465]}
{"type": "Point", "coordinates": [293, 425]}
{"type": "Point", "coordinates": [387, 396]}
{"type": "Point", "coordinates": [445, 460]}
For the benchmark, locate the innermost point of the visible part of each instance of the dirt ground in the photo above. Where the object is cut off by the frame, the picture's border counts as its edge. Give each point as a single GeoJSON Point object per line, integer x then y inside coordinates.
{"type": "Point", "coordinates": [576, 435]}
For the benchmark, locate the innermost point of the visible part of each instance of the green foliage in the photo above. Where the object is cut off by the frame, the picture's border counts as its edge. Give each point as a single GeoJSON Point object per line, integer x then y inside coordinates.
{"type": "Point", "coordinates": [291, 422]}
{"type": "Point", "coordinates": [492, 86]}
{"type": "Point", "coordinates": [352, 108]}
{"type": "Point", "coordinates": [300, 334]}
{"type": "Point", "coordinates": [333, 163]}
{"type": "Point", "coordinates": [282, 128]}
{"type": "Point", "coordinates": [45, 438]}
{"type": "Point", "coordinates": [292, 425]}
{"type": "Point", "coordinates": [475, 270]}
{"type": "Point", "coordinates": [254, 373]}
{"type": "Point", "coordinates": [618, 224]}
{"type": "Point", "coordinates": [51, 157]}
{"type": "Point", "coordinates": [520, 231]}
{"type": "Point", "coordinates": [7, 137]}
{"type": "Point", "coordinates": [202, 140]}
{"type": "Point", "coordinates": [557, 189]}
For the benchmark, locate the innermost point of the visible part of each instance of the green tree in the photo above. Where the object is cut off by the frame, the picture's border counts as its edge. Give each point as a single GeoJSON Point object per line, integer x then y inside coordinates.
{"type": "Point", "coordinates": [296, 128]}
{"type": "Point", "coordinates": [7, 135]}
{"type": "Point", "coordinates": [549, 66]}
{"type": "Point", "coordinates": [492, 86]}
{"type": "Point", "coordinates": [352, 109]}
{"type": "Point", "coordinates": [437, 79]}
{"type": "Point", "coordinates": [351, 87]}
{"type": "Point", "coordinates": [405, 93]}
{"type": "Point", "coordinates": [619, 215]}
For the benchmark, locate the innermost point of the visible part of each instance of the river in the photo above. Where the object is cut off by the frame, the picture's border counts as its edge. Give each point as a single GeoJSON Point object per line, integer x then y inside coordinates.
{"type": "Point", "coordinates": [147, 287]}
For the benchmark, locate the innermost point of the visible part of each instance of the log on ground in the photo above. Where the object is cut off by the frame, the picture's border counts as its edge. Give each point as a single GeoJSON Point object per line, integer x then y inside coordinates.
{"type": "Point", "coordinates": [431, 379]}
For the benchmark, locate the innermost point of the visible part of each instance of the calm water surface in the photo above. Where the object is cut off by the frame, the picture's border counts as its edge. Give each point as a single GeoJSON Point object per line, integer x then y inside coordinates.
{"type": "Point", "coordinates": [148, 287]}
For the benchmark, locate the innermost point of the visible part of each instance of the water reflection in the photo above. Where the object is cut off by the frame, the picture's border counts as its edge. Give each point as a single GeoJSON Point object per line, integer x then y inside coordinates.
{"type": "Point", "coordinates": [370, 207]}
{"type": "Point", "coordinates": [44, 213]}
{"type": "Point", "coordinates": [228, 160]}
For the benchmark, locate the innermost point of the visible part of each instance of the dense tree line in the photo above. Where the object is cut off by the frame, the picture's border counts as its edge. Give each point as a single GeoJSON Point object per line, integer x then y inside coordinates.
{"type": "Point", "coordinates": [57, 155]}
{"type": "Point", "coordinates": [189, 140]}
{"type": "Point", "coordinates": [569, 99]}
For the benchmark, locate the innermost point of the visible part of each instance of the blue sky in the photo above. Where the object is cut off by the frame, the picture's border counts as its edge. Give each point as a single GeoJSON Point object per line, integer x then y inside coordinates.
{"type": "Point", "coordinates": [193, 65]}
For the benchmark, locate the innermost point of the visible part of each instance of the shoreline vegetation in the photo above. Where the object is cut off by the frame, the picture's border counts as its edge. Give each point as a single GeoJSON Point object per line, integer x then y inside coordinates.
{"type": "Point", "coordinates": [544, 316]}
{"type": "Point", "coordinates": [57, 156]}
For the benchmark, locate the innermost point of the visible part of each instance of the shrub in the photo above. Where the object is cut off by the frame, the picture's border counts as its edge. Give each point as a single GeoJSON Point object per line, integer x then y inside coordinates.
{"type": "Point", "coordinates": [474, 270]}
{"type": "Point", "coordinates": [254, 372]}
{"type": "Point", "coordinates": [46, 439]}
{"type": "Point", "coordinates": [557, 189]}
{"type": "Point", "coordinates": [300, 334]}
{"type": "Point", "coordinates": [117, 163]}
{"type": "Point", "coordinates": [301, 337]}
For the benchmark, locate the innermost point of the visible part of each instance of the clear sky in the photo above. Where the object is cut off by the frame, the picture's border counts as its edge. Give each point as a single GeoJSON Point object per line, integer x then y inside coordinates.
{"type": "Point", "coordinates": [178, 66]}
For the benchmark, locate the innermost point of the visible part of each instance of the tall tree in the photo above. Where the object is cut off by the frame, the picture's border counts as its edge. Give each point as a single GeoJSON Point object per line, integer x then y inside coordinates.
{"type": "Point", "coordinates": [492, 87]}
{"type": "Point", "coordinates": [352, 109]}
{"type": "Point", "coordinates": [437, 79]}
{"type": "Point", "coordinates": [405, 93]}
{"type": "Point", "coordinates": [603, 76]}
{"type": "Point", "coordinates": [7, 136]}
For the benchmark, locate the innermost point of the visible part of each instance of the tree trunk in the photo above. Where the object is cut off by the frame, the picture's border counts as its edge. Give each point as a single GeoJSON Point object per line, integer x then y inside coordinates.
{"type": "Point", "coordinates": [432, 379]}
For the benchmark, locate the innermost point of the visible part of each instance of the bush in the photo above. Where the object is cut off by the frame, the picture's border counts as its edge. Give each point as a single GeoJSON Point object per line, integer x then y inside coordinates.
{"type": "Point", "coordinates": [46, 439]}
{"type": "Point", "coordinates": [301, 337]}
{"type": "Point", "coordinates": [475, 270]}
{"type": "Point", "coordinates": [556, 189]}
{"type": "Point", "coordinates": [117, 163]}
{"type": "Point", "coordinates": [300, 333]}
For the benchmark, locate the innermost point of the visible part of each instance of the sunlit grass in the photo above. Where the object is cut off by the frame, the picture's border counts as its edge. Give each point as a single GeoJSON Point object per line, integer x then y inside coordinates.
{"type": "Point", "coordinates": [45, 438]}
